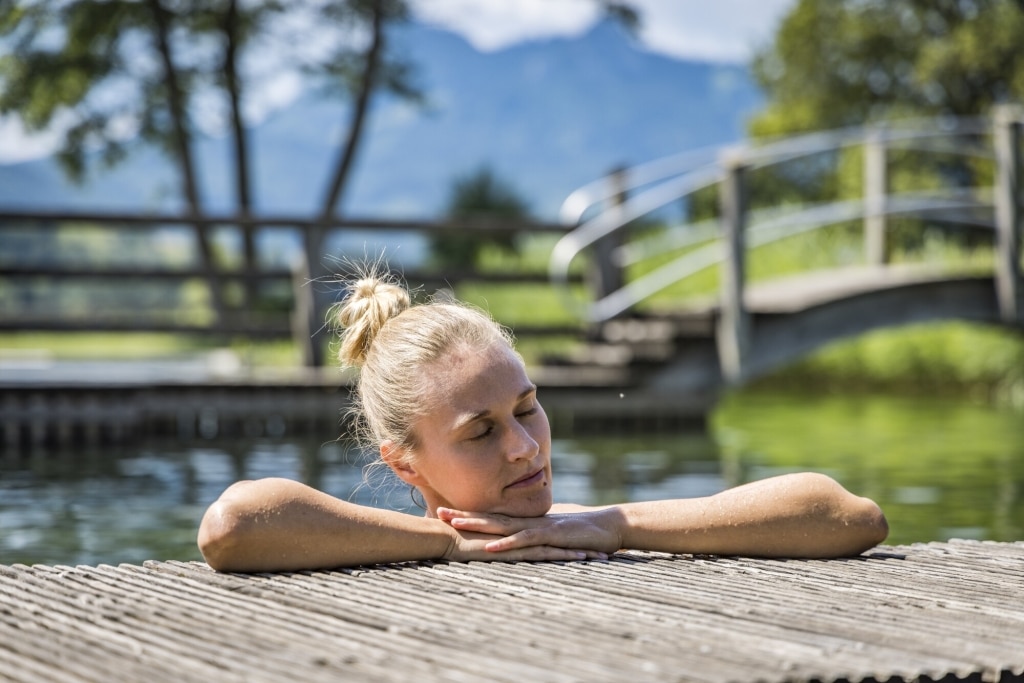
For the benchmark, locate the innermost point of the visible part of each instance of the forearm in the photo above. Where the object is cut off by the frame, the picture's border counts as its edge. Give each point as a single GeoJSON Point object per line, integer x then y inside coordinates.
{"type": "Point", "coordinates": [281, 525]}
{"type": "Point", "coordinates": [805, 515]}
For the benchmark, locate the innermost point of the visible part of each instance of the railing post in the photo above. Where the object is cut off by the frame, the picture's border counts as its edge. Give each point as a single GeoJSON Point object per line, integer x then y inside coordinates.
{"type": "Point", "coordinates": [733, 335]}
{"type": "Point", "coordinates": [605, 273]}
{"type": "Point", "coordinates": [875, 190]}
{"type": "Point", "coordinates": [1008, 121]}
{"type": "Point", "coordinates": [308, 323]}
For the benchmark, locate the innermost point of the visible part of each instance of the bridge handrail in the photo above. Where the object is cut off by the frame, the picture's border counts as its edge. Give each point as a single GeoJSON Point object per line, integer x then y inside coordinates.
{"type": "Point", "coordinates": [915, 133]}
{"type": "Point", "coordinates": [768, 226]}
{"type": "Point", "coordinates": [672, 178]}
{"type": "Point", "coordinates": [680, 236]}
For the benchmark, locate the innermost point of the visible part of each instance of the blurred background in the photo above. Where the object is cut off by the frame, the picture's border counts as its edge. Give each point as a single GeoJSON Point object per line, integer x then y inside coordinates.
{"type": "Point", "coordinates": [733, 239]}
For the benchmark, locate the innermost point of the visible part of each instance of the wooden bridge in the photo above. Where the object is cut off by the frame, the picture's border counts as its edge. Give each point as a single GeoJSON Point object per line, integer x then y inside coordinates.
{"type": "Point", "coordinates": [749, 328]}
{"type": "Point", "coordinates": [641, 328]}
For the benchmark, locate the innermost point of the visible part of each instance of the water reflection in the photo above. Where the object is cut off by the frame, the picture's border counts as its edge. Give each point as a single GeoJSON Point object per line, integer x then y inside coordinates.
{"type": "Point", "coordinates": [940, 470]}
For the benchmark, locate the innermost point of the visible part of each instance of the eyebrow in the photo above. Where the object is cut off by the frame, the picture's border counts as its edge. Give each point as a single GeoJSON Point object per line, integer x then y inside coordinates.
{"type": "Point", "coordinates": [467, 418]}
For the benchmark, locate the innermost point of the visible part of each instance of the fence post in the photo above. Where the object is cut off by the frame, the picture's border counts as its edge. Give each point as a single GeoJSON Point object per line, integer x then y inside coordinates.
{"type": "Point", "coordinates": [308, 323]}
{"type": "Point", "coordinates": [1008, 121]}
{"type": "Point", "coordinates": [875, 190]}
{"type": "Point", "coordinates": [733, 335]}
{"type": "Point", "coordinates": [606, 273]}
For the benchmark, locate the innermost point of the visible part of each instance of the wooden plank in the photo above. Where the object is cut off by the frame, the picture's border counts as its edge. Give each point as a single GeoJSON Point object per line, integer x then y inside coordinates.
{"type": "Point", "coordinates": [54, 271]}
{"type": "Point", "coordinates": [8, 217]}
{"type": "Point", "coordinates": [51, 271]}
{"type": "Point", "coordinates": [921, 612]}
{"type": "Point", "coordinates": [140, 324]}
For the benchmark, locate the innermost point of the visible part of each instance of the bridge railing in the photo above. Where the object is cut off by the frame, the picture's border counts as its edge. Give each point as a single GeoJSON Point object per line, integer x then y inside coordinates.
{"type": "Point", "coordinates": [609, 214]}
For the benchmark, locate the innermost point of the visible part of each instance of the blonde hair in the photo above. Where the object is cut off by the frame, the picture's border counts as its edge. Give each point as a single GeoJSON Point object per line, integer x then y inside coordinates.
{"type": "Point", "coordinates": [392, 342]}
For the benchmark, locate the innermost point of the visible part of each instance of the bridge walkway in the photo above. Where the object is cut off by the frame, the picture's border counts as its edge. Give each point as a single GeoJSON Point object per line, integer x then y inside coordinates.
{"type": "Point", "coordinates": [676, 349]}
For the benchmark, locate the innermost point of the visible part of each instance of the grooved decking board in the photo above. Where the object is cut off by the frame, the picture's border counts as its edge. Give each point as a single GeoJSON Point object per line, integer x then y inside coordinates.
{"type": "Point", "coordinates": [932, 611]}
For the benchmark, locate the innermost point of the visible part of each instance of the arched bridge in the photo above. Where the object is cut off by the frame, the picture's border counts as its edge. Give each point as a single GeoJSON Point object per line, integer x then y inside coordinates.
{"type": "Point", "coordinates": [907, 223]}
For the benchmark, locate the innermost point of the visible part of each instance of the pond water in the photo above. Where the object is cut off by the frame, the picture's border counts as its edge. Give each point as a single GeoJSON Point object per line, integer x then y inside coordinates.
{"type": "Point", "coordinates": [940, 469]}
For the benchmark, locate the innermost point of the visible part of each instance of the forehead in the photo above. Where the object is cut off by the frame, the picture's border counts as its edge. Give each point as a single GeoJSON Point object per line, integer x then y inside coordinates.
{"type": "Point", "coordinates": [469, 379]}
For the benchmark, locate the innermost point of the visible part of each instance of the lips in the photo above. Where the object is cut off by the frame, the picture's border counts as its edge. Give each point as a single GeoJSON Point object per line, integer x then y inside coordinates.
{"type": "Point", "coordinates": [530, 479]}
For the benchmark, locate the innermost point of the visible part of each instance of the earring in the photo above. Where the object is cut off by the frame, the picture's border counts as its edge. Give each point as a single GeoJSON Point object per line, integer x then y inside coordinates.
{"type": "Point", "coordinates": [421, 504]}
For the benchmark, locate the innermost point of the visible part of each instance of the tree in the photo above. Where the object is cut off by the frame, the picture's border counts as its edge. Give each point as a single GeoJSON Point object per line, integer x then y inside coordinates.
{"type": "Point", "coordinates": [835, 63]}
{"type": "Point", "coordinates": [838, 63]}
{"type": "Point", "coordinates": [481, 194]}
{"type": "Point", "coordinates": [129, 73]}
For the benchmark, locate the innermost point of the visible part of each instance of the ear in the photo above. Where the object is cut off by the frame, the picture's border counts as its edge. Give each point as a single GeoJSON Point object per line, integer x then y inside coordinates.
{"type": "Point", "coordinates": [396, 457]}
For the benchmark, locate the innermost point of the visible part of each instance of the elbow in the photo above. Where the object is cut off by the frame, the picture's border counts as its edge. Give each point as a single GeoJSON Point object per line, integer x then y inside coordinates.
{"type": "Point", "coordinates": [863, 521]}
{"type": "Point", "coordinates": [222, 532]}
{"type": "Point", "coordinates": [871, 520]}
{"type": "Point", "coordinates": [219, 536]}
{"type": "Point", "coordinates": [858, 523]}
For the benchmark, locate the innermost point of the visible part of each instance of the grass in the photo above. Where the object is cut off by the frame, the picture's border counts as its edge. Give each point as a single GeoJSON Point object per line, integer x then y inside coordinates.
{"type": "Point", "coordinates": [139, 346]}
{"type": "Point", "coordinates": [951, 358]}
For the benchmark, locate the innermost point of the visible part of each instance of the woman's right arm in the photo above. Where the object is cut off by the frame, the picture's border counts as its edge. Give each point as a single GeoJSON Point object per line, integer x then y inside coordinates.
{"type": "Point", "coordinates": [282, 525]}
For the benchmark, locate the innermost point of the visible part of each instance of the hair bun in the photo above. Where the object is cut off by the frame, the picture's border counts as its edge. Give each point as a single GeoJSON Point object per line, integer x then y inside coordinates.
{"type": "Point", "coordinates": [372, 301]}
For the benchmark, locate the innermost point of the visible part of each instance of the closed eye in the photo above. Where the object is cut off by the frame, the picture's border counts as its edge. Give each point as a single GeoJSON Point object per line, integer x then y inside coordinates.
{"type": "Point", "coordinates": [483, 435]}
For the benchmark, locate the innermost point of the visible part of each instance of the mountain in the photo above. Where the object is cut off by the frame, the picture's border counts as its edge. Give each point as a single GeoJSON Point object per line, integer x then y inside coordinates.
{"type": "Point", "coordinates": [547, 116]}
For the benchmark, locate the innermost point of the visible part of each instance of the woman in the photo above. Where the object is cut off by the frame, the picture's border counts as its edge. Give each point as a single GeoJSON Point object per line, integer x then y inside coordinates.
{"type": "Point", "coordinates": [445, 399]}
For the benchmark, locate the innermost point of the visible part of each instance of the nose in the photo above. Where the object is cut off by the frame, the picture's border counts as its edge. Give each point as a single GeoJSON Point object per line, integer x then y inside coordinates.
{"type": "Point", "coordinates": [520, 444]}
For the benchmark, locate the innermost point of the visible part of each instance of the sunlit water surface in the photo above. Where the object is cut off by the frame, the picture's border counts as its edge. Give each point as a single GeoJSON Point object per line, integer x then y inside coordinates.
{"type": "Point", "coordinates": [940, 469]}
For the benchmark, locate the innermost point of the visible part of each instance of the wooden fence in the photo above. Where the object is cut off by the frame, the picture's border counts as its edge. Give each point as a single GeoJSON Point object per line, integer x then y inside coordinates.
{"type": "Point", "coordinates": [302, 318]}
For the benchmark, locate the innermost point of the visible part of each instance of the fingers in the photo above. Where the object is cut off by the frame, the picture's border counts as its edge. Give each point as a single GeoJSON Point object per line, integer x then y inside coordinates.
{"type": "Point", "coordinates": [536, 538]}
{"type": "Point", "coordinates": [471, 546]}
{"type": "Point", "coordinates": [521, 539]}
{"type": "Point", "coordinates": [484, 523]}
{"type": "Point", "coordinates": [544, 553]}
{"type": "Point", "coordinates": [529, 539]}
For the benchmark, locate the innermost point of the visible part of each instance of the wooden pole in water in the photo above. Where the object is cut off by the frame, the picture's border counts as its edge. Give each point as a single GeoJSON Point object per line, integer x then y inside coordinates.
{"type": "Point", "coordinates": [1008, 121]}
{"type": "Point", "coordinates": [733, 336]}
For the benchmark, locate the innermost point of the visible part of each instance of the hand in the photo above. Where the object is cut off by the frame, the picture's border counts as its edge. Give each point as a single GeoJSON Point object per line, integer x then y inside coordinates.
{"type": "Point", "coordinates": [467, 546]}
{"type": "Point", "coordinates": [594, 531]}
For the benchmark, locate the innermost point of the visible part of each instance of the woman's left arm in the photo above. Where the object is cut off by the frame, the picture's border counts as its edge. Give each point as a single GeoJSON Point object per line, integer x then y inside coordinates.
{"type": "Point", "coordinates": [798, 515]}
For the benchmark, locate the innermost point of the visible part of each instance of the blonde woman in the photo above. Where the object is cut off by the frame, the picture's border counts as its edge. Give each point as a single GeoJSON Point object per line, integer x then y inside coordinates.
{"type": "Point", "coordinates": [445, 399]}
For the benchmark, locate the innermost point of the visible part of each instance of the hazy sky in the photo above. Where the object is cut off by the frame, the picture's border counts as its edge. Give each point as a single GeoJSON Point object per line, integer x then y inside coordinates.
{"type": "Point", "coordinates": [719, 30]}
{"type": "Point", "coordinates": [716, 30]}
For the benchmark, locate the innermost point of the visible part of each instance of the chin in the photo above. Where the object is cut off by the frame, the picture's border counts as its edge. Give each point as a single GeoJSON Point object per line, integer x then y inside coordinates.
{"type": "Point", "coordinates": [535, 507]}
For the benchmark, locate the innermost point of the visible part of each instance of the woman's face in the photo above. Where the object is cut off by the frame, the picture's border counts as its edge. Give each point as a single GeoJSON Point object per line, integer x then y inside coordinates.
{"type": "Point", "coordinates": [485, 443]}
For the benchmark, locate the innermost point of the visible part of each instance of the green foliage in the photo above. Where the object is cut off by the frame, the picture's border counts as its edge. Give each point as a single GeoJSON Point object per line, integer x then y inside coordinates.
{"type": "Point", "coordinates": [480, 195]}
{"type": "Point", "coordinates": [109, 66]}
{"type": "Point", "coordinates": [948, 358]}
{"type": "Point", "coordinates": [836, 63]}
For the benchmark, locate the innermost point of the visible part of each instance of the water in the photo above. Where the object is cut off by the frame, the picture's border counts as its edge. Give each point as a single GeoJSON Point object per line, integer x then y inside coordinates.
{"type": "Point", "coordinates": [939, 469]}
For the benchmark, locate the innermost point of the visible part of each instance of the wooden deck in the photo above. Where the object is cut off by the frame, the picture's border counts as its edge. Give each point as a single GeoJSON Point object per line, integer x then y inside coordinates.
{"type": "Point", "coordinates": [934, 611]}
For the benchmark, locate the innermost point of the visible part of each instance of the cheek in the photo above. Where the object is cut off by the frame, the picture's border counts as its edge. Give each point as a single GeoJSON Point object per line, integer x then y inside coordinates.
{"type": "Point", "coordinates": [469, 477]}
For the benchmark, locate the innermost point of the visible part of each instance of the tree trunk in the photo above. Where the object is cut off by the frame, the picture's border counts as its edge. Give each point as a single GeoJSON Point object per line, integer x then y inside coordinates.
{"type": "Point", "coordinates": [183, 152]}
{"type": "Point", "coordinates": [339, 179]}
{"type": "Point", "coordinates": [243, 195]}
{"type": "Point", "coordinates": [360, 106]}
